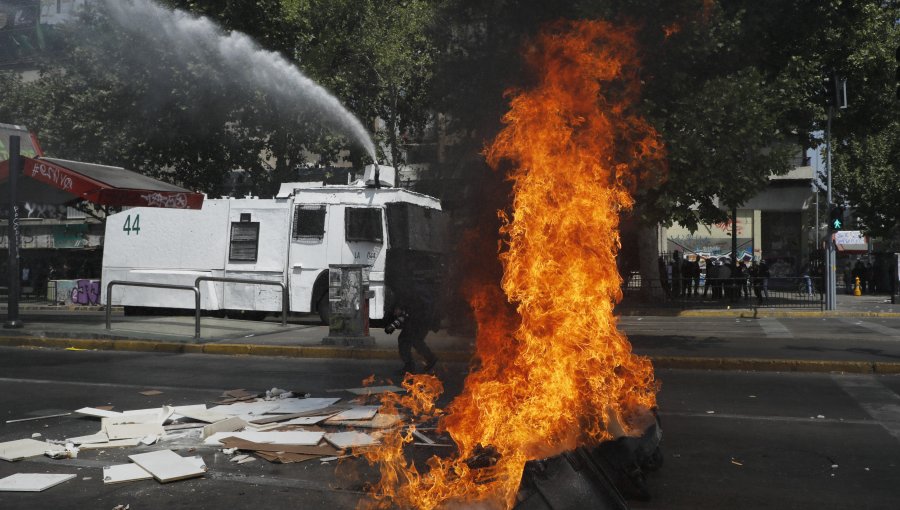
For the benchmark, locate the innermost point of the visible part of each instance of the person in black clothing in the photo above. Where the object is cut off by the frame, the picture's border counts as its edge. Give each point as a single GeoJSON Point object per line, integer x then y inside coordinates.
{"type": "Point", "coordinates": [413, 317]}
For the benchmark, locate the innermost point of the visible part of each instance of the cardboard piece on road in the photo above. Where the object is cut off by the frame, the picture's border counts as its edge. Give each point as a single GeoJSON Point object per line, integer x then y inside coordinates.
{"type": "Point", "coordinates": [301, 405]}
{"type": "Point", "coordinates": [375, 390]}
{"type": "Point", "coordinates": [294, 437]}
{"type": "Point", "coordinates": [99, 437]}
{"type": "Point", "coordinates": [243, 444]}
{"type": "Point", "coordinates": [21, 449]}
{"type": "Point", "coordinates": [355, 413]}
{"type": "Point", "coordinates": [344, 440]}
{"type": "Point", "coordinates": [134, 430]}
{"type": "Point", "coordinates": [228, 425]}
{"type": "Point", "coordinates": [150, 393]}
{"type": "Point", "coordinates": [204, 415]}
{"type": "Point", "coordinates": [125, 473]}
{"type": "Point", "coordinates": [32, 482]}
{"type": "Point", "coordinates": [380, 421]}
{"type": "Point", "coordinates": [168, 466]}
{"type": "Point", "coordinates": [119, 443]}
{"type": "Point", "coordinates": [240, 393]}
{"type": "Point", "coordinates": [97, 412]}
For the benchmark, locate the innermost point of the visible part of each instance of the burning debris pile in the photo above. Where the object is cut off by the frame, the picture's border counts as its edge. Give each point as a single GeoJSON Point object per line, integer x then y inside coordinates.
{"type": "Point", "coordinates": [554, 374]}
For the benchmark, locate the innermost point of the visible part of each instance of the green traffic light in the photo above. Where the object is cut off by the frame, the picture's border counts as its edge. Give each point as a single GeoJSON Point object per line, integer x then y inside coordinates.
{"type": "Point", "coordinates": [837, 224]}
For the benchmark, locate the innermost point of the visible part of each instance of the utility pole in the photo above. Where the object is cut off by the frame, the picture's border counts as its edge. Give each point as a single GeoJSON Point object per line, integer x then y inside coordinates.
{"type": "Point", "coordinates": [838, 98]}
{"type": "Point", "coordinates": [830, 262]}
{"type": "Point", "coordinates": [12, 232]}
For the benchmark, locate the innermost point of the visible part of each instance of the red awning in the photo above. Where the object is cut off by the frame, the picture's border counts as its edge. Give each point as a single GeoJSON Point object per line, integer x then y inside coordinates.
{"type": "Point", "coordinates": [105, 185]}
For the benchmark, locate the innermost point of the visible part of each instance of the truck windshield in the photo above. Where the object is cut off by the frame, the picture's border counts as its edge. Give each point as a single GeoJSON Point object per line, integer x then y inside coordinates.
{"type": "Point", "coordinates": [363, 224]}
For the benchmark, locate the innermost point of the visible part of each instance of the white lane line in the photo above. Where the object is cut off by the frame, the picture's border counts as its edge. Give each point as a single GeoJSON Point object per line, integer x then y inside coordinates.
{"type": "Point", "coordinates": [773, 328]}
{"type": "Point", "coordinates": [876, 399]}
{"type": "Point", "coordinates": [878, 328]}
{"type": "Point", "coordinates": [104, 385]}
{"type": "Point", "coordinates": [783, 419]}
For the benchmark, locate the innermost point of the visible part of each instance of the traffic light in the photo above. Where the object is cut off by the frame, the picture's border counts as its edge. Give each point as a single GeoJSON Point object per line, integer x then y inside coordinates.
{"type": "Point", "coordinates": [836, 217]}
{"type": "Point", "coordinates": [836, 90]}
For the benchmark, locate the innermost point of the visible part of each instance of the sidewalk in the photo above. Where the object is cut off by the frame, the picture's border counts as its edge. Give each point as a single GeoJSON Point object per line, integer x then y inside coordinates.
{"type": "Point", "coordinates": [682, 347]}
{"type": "Point", "coordinates": [847, 306]}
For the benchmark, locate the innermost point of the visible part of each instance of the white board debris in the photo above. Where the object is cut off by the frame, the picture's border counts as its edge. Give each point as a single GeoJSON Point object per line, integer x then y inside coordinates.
{"type": "Point", "coordinates": [99, 437]}
{"type": "Point", "coordinates": [246, 408]}
{"type": "Point", "coordinates": [97, 413]}
{"type": "Point", "coordinates": [125, 473]}
{"type": "Point", "coordinates": [203, 415]}
{"type": "Point", "coordinates": [21, 449]}
{"type": "Point", "coordinates": [344, 440]}
{"type": "Point", "coordinates": [302, 405]}
{"type": "Point", "coordinates": [134, 430]}
{"type": "Point", "coordinates": [168, 466]}
{"type": "Point", "coordinates": [119, 443]}
{"type": "Point", "coordinates": [32, 482]}
{"type": "Point", "coordinates": [356, 413]}
{"type": "Point", "coordinates": [227, 425]}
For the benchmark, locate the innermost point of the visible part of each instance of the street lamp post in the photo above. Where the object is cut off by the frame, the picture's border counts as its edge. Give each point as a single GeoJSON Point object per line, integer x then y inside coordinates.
{"type": "Point", "coordinates": [15, 169]}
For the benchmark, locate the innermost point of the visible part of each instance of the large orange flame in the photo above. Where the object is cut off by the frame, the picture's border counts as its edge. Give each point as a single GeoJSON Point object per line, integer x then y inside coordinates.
{"type": "Point", "coordinates": [555, 373]}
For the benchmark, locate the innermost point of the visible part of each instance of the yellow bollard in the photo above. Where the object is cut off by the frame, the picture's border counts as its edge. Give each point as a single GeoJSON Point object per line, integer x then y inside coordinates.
{"type": "Point", "coordinates": [857, 291]}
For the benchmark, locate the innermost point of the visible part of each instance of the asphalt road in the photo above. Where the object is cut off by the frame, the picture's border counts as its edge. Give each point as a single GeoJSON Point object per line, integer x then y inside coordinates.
{"type": "Point", "coordinates": [731, 440]}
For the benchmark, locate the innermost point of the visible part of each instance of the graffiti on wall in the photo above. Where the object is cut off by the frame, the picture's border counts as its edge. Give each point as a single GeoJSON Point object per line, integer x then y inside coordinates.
{"type": "Point", "coordinates": [78, 292]}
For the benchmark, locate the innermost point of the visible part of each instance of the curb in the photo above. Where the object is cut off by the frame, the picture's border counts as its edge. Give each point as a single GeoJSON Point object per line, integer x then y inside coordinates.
{"type": "Point", "coordinates": [757, 313]}
{"type": "Point", "coordinates": [313, 352]}
{"type": "Point", "coordinates": [288, 351]}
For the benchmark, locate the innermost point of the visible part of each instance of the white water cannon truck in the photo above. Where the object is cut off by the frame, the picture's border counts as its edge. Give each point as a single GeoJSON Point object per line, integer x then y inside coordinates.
{"type": "Point", "coordinates": [292, 238]}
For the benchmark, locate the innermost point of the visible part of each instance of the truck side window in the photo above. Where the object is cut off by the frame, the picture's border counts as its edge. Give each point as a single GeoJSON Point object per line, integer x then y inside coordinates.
{"type": "Point", "coordinates": [363, 224]}
{"type": "Point", "coordinates": [244, 241]}
{"type": "Point", "coordinates": [309, 222]}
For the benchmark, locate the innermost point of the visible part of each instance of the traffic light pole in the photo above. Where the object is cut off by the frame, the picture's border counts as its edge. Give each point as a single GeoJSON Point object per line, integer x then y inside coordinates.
{"type": "Point", "coordinates": [830, 256]}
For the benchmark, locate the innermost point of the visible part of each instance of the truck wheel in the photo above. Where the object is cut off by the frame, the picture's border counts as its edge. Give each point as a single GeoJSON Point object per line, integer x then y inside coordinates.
{"type": "Point", "coordinates": [323, 308]}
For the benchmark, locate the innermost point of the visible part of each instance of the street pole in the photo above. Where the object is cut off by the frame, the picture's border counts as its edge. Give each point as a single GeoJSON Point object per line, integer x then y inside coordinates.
{"type": "Point", "coordinates": [830, 262]}
{"type": "Point", "coordinates": [12, 232]}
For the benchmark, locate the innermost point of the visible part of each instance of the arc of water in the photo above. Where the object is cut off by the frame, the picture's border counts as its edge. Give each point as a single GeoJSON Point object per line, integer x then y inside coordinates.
{"type": "Point", "coordinates": [243, 58]}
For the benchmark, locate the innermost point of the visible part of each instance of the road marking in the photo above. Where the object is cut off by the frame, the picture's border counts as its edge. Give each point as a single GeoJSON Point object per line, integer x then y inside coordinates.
{"type": "Point", "coordinates": [878, 328]}
{"type": "Point", "coordinates": [104, 385]}
{"type": "Point", "coordinates": [788, 419]}
{"type": "Point", "coordinates": [876, 399]}
{"type": "Point", "coordinates": [773, 328]}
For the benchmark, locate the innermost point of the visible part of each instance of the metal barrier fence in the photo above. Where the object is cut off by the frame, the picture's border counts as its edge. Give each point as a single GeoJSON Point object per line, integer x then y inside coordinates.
{"type": "Point", "coordinates": [284, 292]}
{"type": "Point", "coordinates": [780, 292]}
{"type": "Point", "coordinates": [122, 283]}
{"type": "Point", "coordinates": [196, 290]}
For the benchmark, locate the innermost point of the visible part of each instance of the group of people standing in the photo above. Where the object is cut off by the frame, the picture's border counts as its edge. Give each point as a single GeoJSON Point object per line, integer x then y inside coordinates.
{"type": "Point", "coordinates": [680, 278]}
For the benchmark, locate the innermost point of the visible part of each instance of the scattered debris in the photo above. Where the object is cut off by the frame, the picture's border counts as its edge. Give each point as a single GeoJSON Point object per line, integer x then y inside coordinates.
{"type": "Point", "coordinates": [229, 425]}
{"type": "Point", "coordinates": [294, 437]}
{"type": "Point", "coordinates": [35, 435]}
{"type": "Point", "coordinates": [352, 439]}
{"type": "Point", "coordinates": [38, 417]}
{"type": "Point", "coordinates": [125, 473]}
{"type": "Point", "coordinates": [168, 466]}
{"type": "Point", "coordinates": [122, 507]}
{"type": "Point", "coordinates": [736, 463]}
{"type": "Point", "coordinates": [710, 412]}
{"type": "Point", "coordinates": [821, 416]}
{"type": "Point", "coordinates": [97, 412]}
{"type": "Point", "coordinates": [21, 449]}
{"type": "Point", "coordinates": [150, 393]}
{"type": "Point", "coordinates": [375, 390]}
{"type": "Point", "coordinates": [356, 413]}
{"type": "Point", "coordinates": [33, 482]}
{"type": "Point", "coordinates": [423, 437]}
{"type": "Point", "coordinates": [276, 393]}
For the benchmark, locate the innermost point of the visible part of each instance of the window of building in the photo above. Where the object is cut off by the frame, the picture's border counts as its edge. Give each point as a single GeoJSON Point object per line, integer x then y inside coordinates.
{"type": "Point", "coordinates": [309, 222]}
{"type": "Point", "coordinates": [363, 224]}
{"type": "Point", "coordinates": [244, 241]}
